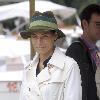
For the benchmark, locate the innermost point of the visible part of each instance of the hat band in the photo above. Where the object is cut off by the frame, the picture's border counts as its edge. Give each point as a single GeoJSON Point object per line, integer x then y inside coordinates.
{"type": "Point", "coordinates": [43, 23]}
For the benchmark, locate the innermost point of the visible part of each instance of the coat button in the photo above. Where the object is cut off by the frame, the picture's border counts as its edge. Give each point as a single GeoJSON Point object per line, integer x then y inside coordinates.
{"type": "Point", "coordinates": [38, 95]}
{"type": "Point", "coordinates": [29, 89]}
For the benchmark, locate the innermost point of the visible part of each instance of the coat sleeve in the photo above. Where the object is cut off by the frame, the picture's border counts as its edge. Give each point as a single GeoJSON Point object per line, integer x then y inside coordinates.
{"type": "Point", "coordinates": [21, 93]}
{"type": "Point", "coordinates": [72, 86]}
{"type": "Point", "coordinates": [22, 87]}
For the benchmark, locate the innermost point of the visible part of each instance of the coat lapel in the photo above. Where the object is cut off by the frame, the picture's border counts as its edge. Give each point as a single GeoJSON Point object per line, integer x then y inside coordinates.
{"type": "Point", "coordinates": [54, 68]}
{"type": "Point", "coordinates": [31, 68]}
{"type": "Point", "coordinates": [43, 76]}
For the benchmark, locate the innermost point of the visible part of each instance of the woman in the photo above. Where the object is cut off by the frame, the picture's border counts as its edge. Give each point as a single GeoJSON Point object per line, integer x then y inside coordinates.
{"type": "Point", "coordinates": [51, 75]}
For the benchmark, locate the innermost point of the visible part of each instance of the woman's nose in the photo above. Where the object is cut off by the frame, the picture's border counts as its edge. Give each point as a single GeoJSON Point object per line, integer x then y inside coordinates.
{"type": "Point", "coordinates": [40, 40]}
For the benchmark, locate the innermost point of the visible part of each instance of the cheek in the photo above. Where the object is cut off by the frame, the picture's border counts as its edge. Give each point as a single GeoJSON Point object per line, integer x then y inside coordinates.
{"type": "Point", "coordinates": [34, 45]}
{"type": "Point", "coordinates": [91, 29]}
{"type": "Point", "coordinates": [98, 30]}
{"type": "Point", "coordinates": [51, 43]}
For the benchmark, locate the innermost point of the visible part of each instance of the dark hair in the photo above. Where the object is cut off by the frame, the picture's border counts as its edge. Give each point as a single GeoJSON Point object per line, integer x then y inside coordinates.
{"type": "Point", "coordinates": [89, 10]}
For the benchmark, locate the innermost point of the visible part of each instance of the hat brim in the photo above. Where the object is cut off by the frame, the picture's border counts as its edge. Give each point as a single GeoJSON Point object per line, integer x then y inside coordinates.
{"type": "Point", "coordinates": [27, 33]}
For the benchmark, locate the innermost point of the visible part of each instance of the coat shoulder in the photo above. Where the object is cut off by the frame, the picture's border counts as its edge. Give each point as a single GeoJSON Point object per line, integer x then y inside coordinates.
{"type": "Point", "coordinates": [70, 61]}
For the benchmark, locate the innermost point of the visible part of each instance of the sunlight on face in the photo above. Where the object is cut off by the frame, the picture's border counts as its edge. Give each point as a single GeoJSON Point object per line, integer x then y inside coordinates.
{"type": "Point", "coordinates": [43, 42]}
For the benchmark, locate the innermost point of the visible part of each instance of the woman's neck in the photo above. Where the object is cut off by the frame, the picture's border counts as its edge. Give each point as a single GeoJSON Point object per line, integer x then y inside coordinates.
{"type": "Point", "coordinates": [44, 56]}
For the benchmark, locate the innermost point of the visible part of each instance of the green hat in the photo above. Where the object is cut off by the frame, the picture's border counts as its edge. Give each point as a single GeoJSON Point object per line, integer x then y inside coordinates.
{"type": "Point", "coordinates": [42, 22]}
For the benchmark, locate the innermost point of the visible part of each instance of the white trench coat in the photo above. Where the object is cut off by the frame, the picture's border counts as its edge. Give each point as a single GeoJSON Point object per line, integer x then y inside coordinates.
{"type": "Point", "coordinates": [60, 80]}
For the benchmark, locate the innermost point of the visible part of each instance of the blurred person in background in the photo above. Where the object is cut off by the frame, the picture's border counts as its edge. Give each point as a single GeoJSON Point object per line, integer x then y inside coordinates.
{"type": "Point", "coordinates": [85, 52]}
{"type": "Point", "coordinates": [51, 75]}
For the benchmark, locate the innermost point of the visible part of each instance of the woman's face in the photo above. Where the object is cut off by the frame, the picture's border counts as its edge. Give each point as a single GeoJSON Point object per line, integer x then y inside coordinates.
{"type": "Point", "coordinates": [43, 42]}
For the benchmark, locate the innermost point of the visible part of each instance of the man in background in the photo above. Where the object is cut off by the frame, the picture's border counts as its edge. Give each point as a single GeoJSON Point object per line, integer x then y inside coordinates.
{"type": "Point", "coordinates": [84, 51]}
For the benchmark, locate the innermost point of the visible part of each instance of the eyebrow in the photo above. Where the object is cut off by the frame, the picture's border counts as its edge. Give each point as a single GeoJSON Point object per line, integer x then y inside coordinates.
{"type": "Point", "coordinates": [45, 33]}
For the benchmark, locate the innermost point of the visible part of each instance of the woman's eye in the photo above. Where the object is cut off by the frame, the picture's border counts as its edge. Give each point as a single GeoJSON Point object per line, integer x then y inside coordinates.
{"type": "Point", "coordinates": [45, 36]}
{"type": "Point", "coordinates": [34, 36]}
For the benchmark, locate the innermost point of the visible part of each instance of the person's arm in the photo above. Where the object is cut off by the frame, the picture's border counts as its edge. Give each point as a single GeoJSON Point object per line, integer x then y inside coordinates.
{"type": "Point", "coordinates": [72, 86]}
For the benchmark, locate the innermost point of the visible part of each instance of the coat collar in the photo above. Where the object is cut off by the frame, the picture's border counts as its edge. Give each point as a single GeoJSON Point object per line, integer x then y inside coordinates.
{"type": "Point", "coordinates": [56, 63]}
{"type": "Point", "coordinates": [57, 59]}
